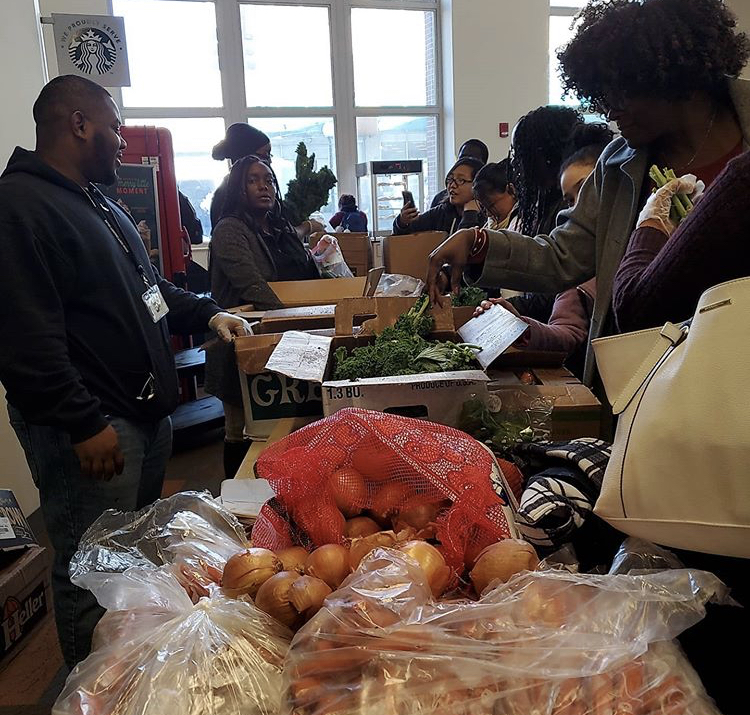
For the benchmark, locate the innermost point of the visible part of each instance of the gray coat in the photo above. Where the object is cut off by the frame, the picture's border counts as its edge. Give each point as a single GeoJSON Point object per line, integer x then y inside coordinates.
{"type": "Point", "coordinates": [240, 267]}
{"type": "Point", "coordinates": [591, 238]}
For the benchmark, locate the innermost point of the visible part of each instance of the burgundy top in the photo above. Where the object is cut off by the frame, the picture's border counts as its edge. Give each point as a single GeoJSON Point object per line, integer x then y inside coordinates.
{"type": "Point", "coordinates": [661, 279]}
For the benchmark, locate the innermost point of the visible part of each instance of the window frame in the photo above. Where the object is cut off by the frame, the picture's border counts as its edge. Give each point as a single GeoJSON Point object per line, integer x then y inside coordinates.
{"type": "Point", "coordinates": [343, 111]}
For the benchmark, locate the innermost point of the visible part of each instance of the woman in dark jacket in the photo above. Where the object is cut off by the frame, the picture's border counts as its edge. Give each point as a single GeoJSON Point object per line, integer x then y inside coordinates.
{"type": "Point", "coordinates": [459, 210]}
{"type": "Point", "coordinates": [251, 245]}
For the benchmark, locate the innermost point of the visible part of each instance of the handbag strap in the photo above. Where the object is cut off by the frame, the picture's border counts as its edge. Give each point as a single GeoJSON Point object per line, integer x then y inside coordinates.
{"type": "Point", "coordinates": [671, 336]}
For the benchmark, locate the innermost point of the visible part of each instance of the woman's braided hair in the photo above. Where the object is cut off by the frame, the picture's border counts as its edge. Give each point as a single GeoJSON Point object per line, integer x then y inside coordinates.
{"type": "Point", "coordinates": [542, 140]}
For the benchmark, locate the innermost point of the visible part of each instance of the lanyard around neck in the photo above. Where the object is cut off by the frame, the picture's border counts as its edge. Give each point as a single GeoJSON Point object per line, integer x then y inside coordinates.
{"type": "Point", "coordinates": [110, 220]}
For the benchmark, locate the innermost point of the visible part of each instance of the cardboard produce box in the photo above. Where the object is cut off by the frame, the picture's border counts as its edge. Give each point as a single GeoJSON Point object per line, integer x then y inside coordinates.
{"type": "Point", "coordinates": [576, 411]}
{"type": "Point", "coordinates": [356, 247]}
{"type": "Point", "coordinates": [318, 292]}
{"type": "Point", "coordinates": [306, 358]}
{"type": "Point", "coordinates": [15, 532]}
{"type": "Point", "coordinates": [408, 255]}
{"type": "Point", "coordinates": [25, 589]}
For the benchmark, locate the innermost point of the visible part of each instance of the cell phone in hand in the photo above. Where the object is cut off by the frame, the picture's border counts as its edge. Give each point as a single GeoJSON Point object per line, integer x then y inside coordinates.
{"type": "Point", "coordinates": [408, 199]}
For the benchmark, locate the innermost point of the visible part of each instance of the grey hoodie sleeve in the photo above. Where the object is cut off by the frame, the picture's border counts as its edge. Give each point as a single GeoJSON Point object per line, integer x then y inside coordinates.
{"type": "Point", "coordinates": [547, 264]}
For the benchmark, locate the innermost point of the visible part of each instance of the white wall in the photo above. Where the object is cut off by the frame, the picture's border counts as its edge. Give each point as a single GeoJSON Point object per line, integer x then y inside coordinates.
{"type": "Point", "coordinates": [498, 69]}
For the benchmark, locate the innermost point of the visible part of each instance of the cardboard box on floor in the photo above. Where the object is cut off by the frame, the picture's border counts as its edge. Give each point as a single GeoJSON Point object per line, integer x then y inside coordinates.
{"type": "Point", "coordinates": [408, 254]}
{"type": "Point", "coordinates": [306, 359]}
{"type": "Point", "coordinates": [356, 247]}
{"type": "Point", "coordinates": [25, 596]}
{"type": "Point", "coordinates": [576, 412]}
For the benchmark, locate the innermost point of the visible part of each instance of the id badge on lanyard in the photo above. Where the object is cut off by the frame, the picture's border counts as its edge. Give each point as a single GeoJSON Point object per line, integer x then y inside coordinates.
{"type": "Point", "coordinates": [155, 304]}
{"type": "Point", "coordinates": [153, 299]}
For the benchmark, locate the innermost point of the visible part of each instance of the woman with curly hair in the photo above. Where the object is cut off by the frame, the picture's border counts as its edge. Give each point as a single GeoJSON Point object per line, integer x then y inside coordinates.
{"type": "Point", "coordinates": [665, 71]}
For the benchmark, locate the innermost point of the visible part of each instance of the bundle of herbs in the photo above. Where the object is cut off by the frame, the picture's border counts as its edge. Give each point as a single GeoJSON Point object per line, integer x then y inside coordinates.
{"type": "Point", "coordinates": [681, 203]}
{"type": "Point", "coordinates": [403, 349]}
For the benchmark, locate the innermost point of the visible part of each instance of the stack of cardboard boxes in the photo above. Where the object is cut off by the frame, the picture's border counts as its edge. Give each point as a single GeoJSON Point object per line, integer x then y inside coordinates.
{"type": "Point", "coordinates": [25, 590]}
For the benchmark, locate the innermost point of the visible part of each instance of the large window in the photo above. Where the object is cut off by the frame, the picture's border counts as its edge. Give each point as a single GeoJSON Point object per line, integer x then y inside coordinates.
{"type": "Point", "coordinates": [355, 80]}
{"type": "Point", "coordinates": [561, 18]}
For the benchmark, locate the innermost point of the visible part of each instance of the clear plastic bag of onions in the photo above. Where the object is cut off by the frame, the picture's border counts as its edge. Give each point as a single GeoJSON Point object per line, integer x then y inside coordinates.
{"type": "Point", "coordinates": [547, 642]}
{"type": "Point", "coordinates": [158, 652]}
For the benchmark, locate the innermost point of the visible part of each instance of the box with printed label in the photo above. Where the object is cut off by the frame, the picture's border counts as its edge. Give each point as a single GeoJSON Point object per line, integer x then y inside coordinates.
{"type": "Point", "coordinates": [25, 599]}
{"type": "Point", "coordinates": [15, 532]}
{"type": "Point", "coordinates": [307, 357]}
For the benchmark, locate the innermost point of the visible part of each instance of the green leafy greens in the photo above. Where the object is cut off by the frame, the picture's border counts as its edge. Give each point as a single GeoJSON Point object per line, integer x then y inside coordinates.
{"type": "Point", "coordinates": [404, 350]}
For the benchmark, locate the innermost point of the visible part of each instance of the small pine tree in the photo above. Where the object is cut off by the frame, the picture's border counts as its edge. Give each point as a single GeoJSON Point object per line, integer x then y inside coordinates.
{"type": "Point", "coordinates": [309, 192]}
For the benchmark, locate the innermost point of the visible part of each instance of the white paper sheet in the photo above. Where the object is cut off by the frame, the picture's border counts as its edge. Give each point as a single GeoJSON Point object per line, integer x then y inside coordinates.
{"type": "Point", "coordinates": [495, 331]}
{"type": "Point", "coordinates": [301, 356]}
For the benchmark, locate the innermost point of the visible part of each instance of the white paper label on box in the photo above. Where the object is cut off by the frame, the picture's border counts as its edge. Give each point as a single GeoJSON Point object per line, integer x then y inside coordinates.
{"type": "Point", "coordinates": [299, 355]}
{"type": "Point", "coordinates": [495, 331]}
{"type": "Point", "coordinates": [6, 529]}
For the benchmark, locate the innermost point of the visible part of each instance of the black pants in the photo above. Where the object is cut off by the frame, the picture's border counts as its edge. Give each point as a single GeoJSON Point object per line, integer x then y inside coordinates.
{"type": "Point", "coordinates": [717, 645]}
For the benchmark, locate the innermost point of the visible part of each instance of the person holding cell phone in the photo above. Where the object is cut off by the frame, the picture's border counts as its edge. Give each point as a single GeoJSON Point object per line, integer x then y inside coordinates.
{"type": "Point", "coordinates": [459, 209]}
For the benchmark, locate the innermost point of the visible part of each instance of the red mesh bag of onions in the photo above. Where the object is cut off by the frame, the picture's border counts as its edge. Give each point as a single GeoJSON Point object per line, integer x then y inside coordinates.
{"type": "Point", "coordinates": [357, 472]}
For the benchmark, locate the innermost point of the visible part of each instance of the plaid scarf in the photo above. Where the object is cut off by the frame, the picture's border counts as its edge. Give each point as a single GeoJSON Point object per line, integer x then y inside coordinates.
{"type": "Point", "coordinates": [567, 478]}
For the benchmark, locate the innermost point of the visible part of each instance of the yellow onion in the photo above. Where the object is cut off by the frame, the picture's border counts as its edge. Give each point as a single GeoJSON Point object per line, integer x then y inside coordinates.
{"type": "Point", "coordinates": [421, 517]}
{"type": "Point", "coordinates": [432, 563]}
{"type": "Point", "coordinates": [368, 460]}
{"type": "Point", "coordinates": [329, 563]}
{"type": "Point", "coordinates": [293, 559]}
{"type": "Point", "coordinates": [307, 595]}
{"type": "Point", "coordinates": [274, 598]}
{"type": "Point", "coordinates": [361, 547]}
{"type": "Point", "coordinates": [387, 501]}
{"type": "Point", "coordinates": [244, 573]}
{"type": "Point", "coordinates": [501, 560]}
{"type": "Point", "coordinates": [360, 526]}
{"type": "Point", "coordinates": [349, 491]}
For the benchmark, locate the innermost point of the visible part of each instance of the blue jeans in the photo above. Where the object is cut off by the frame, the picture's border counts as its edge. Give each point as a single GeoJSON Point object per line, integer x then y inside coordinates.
{"type": "Point", "coordinates": [71, 503]}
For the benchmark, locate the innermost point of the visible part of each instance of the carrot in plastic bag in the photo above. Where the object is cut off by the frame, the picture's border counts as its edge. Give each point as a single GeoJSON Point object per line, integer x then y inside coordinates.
{"type": "Point", "coordinates": [571, 699]}
{"type": "Point", "coordinates": [667, 698]}
{"type": "Point", "coordinates": [629, 687]}
{"type": "Point", "coordinates": [602, 694]}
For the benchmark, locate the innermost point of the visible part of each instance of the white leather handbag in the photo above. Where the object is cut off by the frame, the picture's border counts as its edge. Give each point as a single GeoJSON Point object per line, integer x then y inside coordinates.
{"type": "Point", "coordinates": [679, 474]}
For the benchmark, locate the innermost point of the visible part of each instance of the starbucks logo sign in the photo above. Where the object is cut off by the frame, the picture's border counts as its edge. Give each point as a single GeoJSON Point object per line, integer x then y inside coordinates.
{"type": "Point", "coordinates": [92, 46]}
{"type": "Point", "coordinates": [92, 52]}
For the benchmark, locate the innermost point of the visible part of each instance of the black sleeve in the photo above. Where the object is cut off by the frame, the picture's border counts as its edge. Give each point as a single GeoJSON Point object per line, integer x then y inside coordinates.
{"type": "Point", "coordinates": [428, 221]}
{"type": "Point", "coordinates": [439, 198]}
{"type": "Point", "coordinates": [534, 305]}
{"type": "Point", "coordinates": [188, 313]}
{"type": "Point", "coordinates": [470, 219]}
{"type": "Point", "coordinates": [190, 220]}
{"type": "Point", "coordinates": [35, 367]}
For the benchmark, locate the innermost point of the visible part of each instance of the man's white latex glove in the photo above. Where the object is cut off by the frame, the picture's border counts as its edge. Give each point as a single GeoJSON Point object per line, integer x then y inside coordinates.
{"type": "Point", "coordinates": [656, 212]}
{"type": "Point", "coordinates": [228, 326]}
